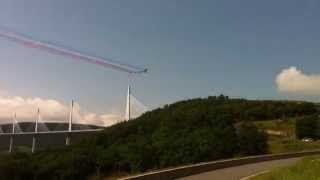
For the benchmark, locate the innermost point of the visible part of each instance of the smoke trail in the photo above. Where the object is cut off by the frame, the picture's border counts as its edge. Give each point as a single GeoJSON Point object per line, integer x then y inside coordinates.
{"type": "Point", "coordinates": [58, 50]}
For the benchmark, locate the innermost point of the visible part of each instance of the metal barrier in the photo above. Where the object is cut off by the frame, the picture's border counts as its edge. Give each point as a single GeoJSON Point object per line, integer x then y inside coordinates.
{"type": "Point", "coordinates": [184, 171]}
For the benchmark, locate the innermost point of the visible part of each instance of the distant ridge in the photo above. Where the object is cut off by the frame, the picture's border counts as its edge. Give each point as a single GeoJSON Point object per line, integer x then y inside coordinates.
{"type": "Point", "coordinates": [45, 141]}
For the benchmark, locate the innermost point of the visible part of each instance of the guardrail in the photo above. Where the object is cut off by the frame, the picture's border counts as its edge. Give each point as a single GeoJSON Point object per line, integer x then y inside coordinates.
{"type": "Point", "coordinates": [184, 171]}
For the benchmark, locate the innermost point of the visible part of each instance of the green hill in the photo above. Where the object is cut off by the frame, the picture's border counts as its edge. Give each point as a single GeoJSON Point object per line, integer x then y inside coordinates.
{"type": "Point", "coordinates": [186, 132]}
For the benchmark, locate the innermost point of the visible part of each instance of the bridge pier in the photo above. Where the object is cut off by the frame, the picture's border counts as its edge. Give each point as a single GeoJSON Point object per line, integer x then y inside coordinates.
{"type": "Point", "coordinates": [34, 142]}
{"type": "Point", "coordinates": [68, 139]}
{"type": "Point", "coordinates": [34, 138]}
{"type": "Point", "coordinates": [13, 131]}
{"type": "Point", "coordinates": [11, 144]}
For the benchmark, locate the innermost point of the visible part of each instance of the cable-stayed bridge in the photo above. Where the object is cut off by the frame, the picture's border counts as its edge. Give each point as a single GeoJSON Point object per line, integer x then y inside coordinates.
{"type": "Point", "coordinates": [72, 54]}
{"type": "Point", "coordinates": [134, 108]}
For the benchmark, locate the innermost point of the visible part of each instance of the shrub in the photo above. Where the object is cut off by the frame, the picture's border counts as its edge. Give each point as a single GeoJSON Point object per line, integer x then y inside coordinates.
{"type": "Point", "coordinates": [308, 127]}
{"type": "Point", "coordinates": [251, 140]}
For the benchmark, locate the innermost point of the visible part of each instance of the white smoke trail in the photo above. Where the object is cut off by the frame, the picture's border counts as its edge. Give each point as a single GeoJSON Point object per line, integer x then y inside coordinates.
{"type": "Point", "coordinates": [73, 54]}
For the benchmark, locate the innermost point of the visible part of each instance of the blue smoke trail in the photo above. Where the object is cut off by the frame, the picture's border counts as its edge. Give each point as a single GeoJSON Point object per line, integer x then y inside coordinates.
{"type": "Point", "coordinates": [73, 54]}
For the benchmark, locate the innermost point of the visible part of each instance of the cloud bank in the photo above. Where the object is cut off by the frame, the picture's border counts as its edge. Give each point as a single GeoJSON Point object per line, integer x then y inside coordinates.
{"type": "Point", "coordinates": [293, 80]}
{"type": "Point", "coordinates": [51, 111]}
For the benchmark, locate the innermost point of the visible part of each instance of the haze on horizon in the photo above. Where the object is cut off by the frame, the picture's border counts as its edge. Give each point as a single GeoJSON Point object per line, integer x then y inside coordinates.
{"type": "Point", "coordinates": [264, 50]}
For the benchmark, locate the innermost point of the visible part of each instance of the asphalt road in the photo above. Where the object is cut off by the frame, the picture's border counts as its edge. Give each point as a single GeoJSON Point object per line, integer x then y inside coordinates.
{"type": "Point", "coordinates": [239, 172]}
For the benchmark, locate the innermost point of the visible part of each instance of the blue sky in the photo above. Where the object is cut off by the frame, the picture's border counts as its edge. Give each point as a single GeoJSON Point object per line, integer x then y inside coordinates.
{"type": "Point", "coordinates": [192, 48]}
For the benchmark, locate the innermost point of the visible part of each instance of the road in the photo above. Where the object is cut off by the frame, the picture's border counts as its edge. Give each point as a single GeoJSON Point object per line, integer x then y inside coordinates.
{"type": "Point", "coordinates": [239, 172]}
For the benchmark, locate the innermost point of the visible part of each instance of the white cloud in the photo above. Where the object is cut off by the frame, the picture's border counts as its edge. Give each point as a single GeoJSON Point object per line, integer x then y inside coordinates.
{"type": "Point", "coordinates": [2, 92]}
{"type": "Point", "coordinates": [295, 81]}
{"type": "Point", "coordinates": [51, 111]}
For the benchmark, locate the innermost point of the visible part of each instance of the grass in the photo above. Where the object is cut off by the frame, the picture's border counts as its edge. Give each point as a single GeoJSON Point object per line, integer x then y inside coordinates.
{"type": "Point", "coordinates": [281, 146]}
{"type": "Point", "coordinates": [286, 126]}
{"type": "Point", "coordinates": [308, 168]}
{"type": "Point", "coordinates": [286, 142]}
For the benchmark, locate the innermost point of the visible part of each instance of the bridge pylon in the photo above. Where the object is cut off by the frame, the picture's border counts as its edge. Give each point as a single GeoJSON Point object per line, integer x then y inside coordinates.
{"type": "Point", "coordinates": [128, 113]}
{"type": "Point", "coordinates": [11, 145]}
{"type": "Point", "coordinates": [34, 138]}
{"type": "Point", "coordinates": [68, 135]}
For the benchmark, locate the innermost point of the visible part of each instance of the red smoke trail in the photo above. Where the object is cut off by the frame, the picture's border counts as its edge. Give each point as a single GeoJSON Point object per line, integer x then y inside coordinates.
{"type": "Point", "coordinates": [29, 42]}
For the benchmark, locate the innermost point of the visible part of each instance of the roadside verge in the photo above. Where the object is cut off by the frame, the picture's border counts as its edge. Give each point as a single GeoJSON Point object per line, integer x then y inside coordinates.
{"type": "Point", "coordinates": [189, 170]}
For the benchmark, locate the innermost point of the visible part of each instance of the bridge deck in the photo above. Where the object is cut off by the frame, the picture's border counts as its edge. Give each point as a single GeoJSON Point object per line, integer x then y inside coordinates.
{"type": "Point", "coordinates": [51, 132]}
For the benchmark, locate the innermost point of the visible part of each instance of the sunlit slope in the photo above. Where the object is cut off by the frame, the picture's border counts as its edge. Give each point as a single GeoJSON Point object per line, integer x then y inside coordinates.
{"type": "Point", "coordinates": [185, 132]}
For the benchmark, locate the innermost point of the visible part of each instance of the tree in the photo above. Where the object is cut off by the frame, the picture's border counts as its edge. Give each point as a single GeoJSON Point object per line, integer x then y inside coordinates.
{"type": "Point", "coordinates": [251, 140]}
{"type": "Point", "coordinates": [308, 127]}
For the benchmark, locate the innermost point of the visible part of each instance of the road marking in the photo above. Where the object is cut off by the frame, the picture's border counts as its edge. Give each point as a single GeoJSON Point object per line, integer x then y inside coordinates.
{"type": "Point", "coordinates": [254, 175]}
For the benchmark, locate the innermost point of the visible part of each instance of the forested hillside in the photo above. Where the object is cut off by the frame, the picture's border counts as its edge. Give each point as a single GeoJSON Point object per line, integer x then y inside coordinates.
{"type": "Point", "coordinates": [182, 133]}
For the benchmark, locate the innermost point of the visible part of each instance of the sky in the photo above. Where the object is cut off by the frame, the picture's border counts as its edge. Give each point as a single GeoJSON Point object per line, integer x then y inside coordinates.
{"type": "Point", "coordinates": [251, 49]}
